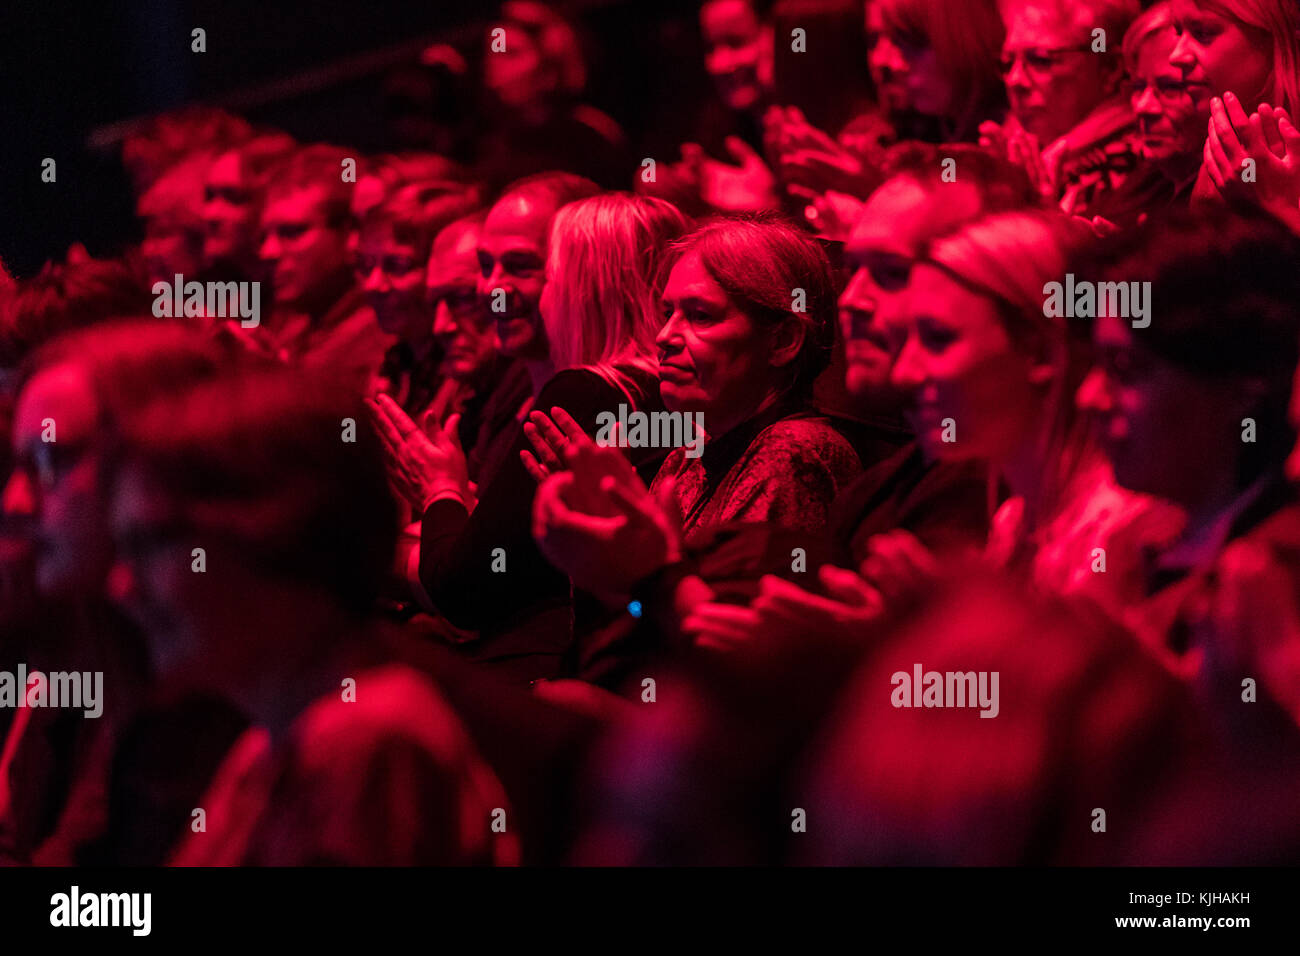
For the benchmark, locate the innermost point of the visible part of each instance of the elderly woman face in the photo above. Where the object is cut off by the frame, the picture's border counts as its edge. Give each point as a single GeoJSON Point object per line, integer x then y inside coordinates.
{"type": "Point", "coordinates": [713, 358]}
{"type": "Point", "coordinates": [973, 396]}
{"type": "Point", "coordinates": [1169, 122]}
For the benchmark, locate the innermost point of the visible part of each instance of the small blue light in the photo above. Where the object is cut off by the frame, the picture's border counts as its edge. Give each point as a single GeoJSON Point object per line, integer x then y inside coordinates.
{"type": "Point", "coordinates": [634, 609]}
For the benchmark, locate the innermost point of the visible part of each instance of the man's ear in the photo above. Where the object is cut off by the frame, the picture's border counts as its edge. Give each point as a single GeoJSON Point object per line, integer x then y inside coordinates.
{"type": "Point", "coordinates": [787, 341]}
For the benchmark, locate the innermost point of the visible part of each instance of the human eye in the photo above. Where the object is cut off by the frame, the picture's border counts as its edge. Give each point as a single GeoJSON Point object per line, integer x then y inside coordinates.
{"type": "Point", "coordinates": [522, 266]}
{"type": "Point", "coordinates": [933, 336]}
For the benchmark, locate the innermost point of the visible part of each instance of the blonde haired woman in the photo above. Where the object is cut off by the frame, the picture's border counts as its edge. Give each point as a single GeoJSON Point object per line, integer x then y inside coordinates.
{"type": "Point", "coordinates": [993, 378]}
{"type": "Point", "coordinates": [604, 272]}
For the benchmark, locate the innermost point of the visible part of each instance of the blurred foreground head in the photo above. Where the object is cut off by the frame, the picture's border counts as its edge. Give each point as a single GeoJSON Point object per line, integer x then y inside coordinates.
{"type": "Point", "coordinates": [1093, 744]}
{"type": "Point", "coordinates": [72, 392]}
{"type": "Point", "coordinates": [278, 479]}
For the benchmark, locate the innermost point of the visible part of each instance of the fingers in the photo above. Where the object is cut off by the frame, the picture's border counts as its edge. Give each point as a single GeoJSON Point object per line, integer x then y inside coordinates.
{"type": "Point", "coordinates": [547, 429]}
{"type": "Point", "coordinates": [568, 427]}
{"type": "Point", "coordinates": [451, 429]}
{"type": "Point", "coordinates": [546, 452]}
{"type": "Point", "coordinates": [392, 412]}
{"type": "Point", "coordinates": [1211, 162]}
{"type": "Point", "coordinates": [776, 595]}
{"type": "Point", "coordinates": [552, 515]}
{"type": "Point", "coordinates": [389, 436]}
{"type": "Point", "coordinates": [721, 625]}
{"type": "Point", "coordinates": [534, 469]}
{"type": "Point", "coordinates": [1290, 136]}
{"type": "Point", "coordinates": [741, 151]}
{"type": "Point", "coordinates": [1237, 117]}
{"type": "Point", "coordinates": [1226, 142]}
{"type": "Point", "coordinates": [844, 585]}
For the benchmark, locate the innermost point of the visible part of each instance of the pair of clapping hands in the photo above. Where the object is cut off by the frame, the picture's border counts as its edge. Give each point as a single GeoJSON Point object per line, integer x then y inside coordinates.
{"type": "Point", "coordinates": [593, 516]}
{"type": "Point", "coordinates": [595, 519]}
{"type": "Point", "coordinates": [896, 570]}
{"type": "Point", "coordinates": [1265, 142]}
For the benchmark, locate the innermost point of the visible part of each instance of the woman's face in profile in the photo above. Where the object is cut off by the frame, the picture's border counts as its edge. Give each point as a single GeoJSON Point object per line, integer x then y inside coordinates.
{"type": "Point", "coordinates": [712, 357]}
{"type": "Point", "coordinates": [972, 397]}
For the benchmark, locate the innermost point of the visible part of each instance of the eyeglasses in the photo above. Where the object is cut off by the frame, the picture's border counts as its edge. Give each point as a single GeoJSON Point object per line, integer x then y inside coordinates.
{"type": "Point", "coordinates": [1167, 89]}
{"type": "Point", "coordinates": [1038, 61]}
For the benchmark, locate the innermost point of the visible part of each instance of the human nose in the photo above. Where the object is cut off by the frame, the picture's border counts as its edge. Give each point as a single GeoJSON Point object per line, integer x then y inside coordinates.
{"type": "Point", "coordinates": [859, 294]}
{"type": "Point", "coordinates": [444, 324]}
{"type": "Point", "coordinates": [669, 338]}
{"type": "Point", "coordinates": [1093, 394]}
{"type": "Point", "coordinates": [888, 56]}
{"type": "Point", "coordinates": [1181, 55]}
{"type": "Point", "coordinates": [376, 280]}
{"type": "Point", "coordinates": [909, 370]}
{"type": "Point", "coordinates": [1018, 77]}
{"type": "Point", "coordinates": [1146, 103]}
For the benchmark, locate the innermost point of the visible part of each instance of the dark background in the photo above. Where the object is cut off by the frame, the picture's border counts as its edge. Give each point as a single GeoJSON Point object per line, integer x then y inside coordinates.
{"type": "Point", "coordinates": [73, 70]}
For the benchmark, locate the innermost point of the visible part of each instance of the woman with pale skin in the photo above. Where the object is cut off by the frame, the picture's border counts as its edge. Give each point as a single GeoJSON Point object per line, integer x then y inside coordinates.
{"type": "Point", "coordinates": [738, 352]}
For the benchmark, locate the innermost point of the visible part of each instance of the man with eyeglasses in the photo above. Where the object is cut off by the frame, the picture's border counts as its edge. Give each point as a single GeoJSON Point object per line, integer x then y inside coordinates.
{"type": "Point", "coordinates": [1071, 125]}
{"type": "Point", "coordinates": [480, 384]}
{"type": "Point", "coordinates": [1171, 124]}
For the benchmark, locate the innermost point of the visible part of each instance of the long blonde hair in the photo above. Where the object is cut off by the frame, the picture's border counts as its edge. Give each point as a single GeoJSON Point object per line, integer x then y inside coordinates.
{"type": "Point", "coordinates": [605, 272]}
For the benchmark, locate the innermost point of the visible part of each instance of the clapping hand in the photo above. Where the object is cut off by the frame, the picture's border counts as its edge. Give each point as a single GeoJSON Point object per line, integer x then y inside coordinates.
{"type": "Point", "coordinates": [423, 464]}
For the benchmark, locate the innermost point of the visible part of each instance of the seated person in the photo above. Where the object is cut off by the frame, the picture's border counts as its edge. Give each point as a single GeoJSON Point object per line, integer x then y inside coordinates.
{"type": "Point", "coordinates": [353, 757]}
